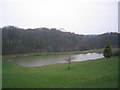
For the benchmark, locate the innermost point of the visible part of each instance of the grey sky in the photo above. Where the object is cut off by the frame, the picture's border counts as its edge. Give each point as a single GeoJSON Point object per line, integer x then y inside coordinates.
{"type": "Point", "coordinates": [79, 16]}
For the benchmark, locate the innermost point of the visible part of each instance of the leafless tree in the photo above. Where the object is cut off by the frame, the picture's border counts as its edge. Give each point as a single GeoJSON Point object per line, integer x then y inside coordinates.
{"type": "Point", "coordinates": [68, 59]}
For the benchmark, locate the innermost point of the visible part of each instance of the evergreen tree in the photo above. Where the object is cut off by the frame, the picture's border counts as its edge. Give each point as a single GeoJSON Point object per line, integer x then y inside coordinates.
{"type": "Point", "coordinates": [108, 50]}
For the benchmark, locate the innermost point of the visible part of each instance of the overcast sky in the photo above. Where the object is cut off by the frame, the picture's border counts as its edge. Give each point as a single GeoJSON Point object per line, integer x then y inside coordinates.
{"type": "Point", "coordinates": [79, 16]}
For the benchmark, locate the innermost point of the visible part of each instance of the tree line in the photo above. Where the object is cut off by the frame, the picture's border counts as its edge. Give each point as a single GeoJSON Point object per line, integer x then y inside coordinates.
{"type": "Point", "coordinates": [18, 40]}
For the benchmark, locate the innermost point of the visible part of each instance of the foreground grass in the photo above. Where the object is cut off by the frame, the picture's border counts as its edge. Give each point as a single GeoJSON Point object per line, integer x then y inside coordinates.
{"type": "Point", "coordinates": [98, 73]}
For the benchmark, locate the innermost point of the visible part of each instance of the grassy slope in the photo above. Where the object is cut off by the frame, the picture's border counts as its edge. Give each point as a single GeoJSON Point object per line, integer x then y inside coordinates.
{"type": "Point", "coordinates": [50, 53]}
{"type": "Point", "coordinates": [98, 73]}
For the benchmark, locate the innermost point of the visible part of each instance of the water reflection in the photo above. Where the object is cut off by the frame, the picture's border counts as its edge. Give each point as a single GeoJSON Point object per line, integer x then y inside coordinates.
{"type": "Point", "coordinates": [88, 56]}
{"type": "Point", "coordinates": [33, 61]}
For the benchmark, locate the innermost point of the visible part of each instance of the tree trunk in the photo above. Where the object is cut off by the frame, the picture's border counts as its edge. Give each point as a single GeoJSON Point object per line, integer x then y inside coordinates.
{"type": "Point", "coordinates": [69, 66]}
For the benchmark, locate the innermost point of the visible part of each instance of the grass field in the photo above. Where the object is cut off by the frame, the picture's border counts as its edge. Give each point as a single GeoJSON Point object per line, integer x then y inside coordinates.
{"type": "Point", "coordinates": [98, 73]}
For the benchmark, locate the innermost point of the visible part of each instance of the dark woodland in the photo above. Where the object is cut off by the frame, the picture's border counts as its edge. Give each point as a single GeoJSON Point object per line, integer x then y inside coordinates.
{"type": "Point", "coordinates": [18, 40]}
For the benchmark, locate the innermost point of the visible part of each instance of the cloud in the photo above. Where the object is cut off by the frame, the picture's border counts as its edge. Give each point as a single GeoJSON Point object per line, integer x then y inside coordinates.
{"type": "Point", "coordinates": [79, 16]}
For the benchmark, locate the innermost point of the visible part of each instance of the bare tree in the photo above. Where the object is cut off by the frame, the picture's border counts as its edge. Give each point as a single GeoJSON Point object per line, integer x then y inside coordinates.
{"type": "Point", "coordinates": [68, 59]}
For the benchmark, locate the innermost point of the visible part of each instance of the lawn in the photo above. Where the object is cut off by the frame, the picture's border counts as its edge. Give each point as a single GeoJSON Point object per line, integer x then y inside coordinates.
{"type": "Point", "coordinates": [100, 73]}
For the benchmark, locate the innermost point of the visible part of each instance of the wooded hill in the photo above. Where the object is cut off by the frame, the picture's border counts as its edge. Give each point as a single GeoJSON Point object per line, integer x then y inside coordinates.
{"type": "Point", "coordinates": [18, 40]}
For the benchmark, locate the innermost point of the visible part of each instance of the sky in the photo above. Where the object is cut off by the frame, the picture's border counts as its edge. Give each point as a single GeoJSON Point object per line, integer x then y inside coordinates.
{"type": "Point", "coordinates": [78, 16]}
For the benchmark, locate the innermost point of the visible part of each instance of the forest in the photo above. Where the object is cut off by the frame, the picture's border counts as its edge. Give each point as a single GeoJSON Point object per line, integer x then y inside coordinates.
{"type": "Point", "coordinates": [18, 40]}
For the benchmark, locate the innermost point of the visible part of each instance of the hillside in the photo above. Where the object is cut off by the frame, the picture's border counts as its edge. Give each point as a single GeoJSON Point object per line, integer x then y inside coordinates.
{"type": "Point", "coordinates": [18, 40]}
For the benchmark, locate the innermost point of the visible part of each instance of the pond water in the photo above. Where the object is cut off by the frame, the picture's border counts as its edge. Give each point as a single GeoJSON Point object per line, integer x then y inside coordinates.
{"type": "Point", "coordinates": [33, 61]}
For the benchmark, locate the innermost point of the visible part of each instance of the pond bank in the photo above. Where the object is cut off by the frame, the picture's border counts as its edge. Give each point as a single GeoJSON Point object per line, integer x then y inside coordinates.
{"type": "Point", "coordinates": [7, 57]}
{"type": "Point", "coordinates": [33, 61]}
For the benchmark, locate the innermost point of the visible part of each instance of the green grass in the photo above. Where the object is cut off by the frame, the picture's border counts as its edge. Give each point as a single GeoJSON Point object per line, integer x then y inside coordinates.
{"type": "Point", "coordinates": [50, 53]}
{"type": "Point", "coordinates": [98, 73]}
{"type": "Point", "coordinates": [53, 53]}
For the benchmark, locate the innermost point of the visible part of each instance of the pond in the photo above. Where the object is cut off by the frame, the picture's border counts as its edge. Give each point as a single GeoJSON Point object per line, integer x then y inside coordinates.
{"type": "Point", "coordinates": [33, 61]}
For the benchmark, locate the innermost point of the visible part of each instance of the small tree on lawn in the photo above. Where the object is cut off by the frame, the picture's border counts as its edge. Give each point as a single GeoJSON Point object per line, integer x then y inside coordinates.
{"type": "Point", "coordinates": [69, 61]}
{"type": "Point", "coordinates": [107, 50]}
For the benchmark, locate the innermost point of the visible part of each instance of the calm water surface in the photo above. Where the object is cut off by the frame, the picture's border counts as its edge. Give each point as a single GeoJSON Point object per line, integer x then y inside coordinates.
{"type": "Point", "coordinates": [33, 61]}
